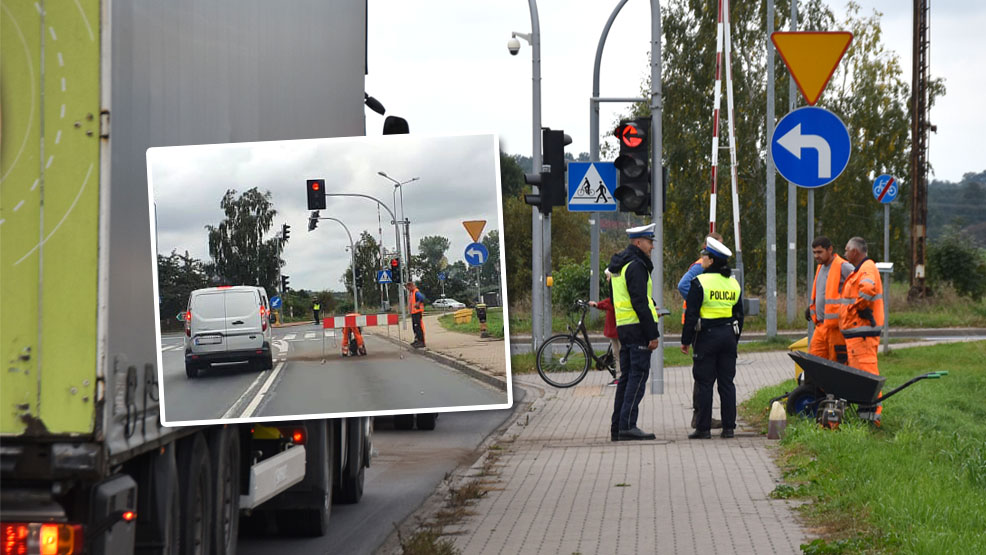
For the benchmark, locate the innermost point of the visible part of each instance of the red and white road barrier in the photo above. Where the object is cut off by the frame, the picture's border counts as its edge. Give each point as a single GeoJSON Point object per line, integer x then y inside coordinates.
{"type": "Point", "coordinates": [352, 321]}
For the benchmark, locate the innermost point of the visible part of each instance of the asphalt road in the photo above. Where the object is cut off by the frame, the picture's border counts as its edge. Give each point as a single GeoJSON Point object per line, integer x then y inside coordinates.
{"type": "Point", "coordinates": [408, 467]}
{"type": "Point", "coordinates": [310, 376]}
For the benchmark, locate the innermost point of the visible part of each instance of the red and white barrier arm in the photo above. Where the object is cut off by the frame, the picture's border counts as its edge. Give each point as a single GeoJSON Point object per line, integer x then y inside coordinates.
{"type": "Point", "coordinates": [339, 322]}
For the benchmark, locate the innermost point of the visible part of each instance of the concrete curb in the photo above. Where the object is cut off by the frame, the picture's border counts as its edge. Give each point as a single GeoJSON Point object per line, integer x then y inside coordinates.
{"type": "Point", "coordinates": [459, 364]}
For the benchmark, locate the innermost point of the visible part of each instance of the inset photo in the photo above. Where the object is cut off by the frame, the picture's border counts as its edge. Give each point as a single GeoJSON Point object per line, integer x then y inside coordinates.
{"type": "Point", "coordinates": [329, 277]}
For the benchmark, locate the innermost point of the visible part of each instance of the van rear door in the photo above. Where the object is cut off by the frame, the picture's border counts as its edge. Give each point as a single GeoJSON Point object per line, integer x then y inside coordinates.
{"type": "Point", "coordinates": [243, 325]}
{"type": "Point", "coordinates": [208, 322]}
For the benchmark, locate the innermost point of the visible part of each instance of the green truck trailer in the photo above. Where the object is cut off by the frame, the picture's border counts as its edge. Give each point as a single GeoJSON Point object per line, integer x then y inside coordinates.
{"type": "Point", "coordinates": [85, 88]}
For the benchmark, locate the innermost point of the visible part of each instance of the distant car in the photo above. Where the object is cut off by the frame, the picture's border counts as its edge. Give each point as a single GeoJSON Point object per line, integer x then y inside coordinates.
{"type": "Point", "coordinates": [446, 304]}
{"type": "Point", "coordinates": [229, 324]}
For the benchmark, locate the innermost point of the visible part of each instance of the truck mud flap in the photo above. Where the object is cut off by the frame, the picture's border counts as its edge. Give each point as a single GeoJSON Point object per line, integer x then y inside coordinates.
{"type": "Point", "coordinates": [274, 475]}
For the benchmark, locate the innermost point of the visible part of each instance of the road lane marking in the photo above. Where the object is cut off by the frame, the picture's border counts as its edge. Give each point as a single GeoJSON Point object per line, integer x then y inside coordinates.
{"type": "Point", "coordinates": [231, 412]}
{"type": "Point", "coordinates": [290, 336]}
{"type": "Point", "coordinates": [310, 335]}
{"type": "Point", "coordinates": [248, 412]}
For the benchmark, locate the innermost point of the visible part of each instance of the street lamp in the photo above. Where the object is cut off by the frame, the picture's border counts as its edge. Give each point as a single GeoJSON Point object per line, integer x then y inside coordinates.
{"type": "Point", "coordinates": [404, 220]}
{"type": "Point", "coordinates": [539, 225]}
{"type": "Point", "coordinates": [352, 251]}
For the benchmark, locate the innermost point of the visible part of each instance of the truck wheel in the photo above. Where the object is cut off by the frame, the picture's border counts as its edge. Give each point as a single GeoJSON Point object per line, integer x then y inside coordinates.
{"type": "Point", "coordinates": [158, 501]}
{"type": "Point", "coordinates": [224, 445]}
{"type": "Point", "coordinates": [353, 472]}
{"type": "Point", "coordinates": [191, 370]}
{"type": "Point", "coordinates": [313, 521]}
{"type": "Point", "coordinates": [427, 421]}
{"type": "Point", "coordinates": [195, 482]}
{"type": "Point", "coordinates": [404, 421]}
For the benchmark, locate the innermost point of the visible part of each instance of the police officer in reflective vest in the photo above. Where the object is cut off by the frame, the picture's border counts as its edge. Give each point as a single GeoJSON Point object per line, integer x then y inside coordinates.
{"type": "Point", "coordinates": [636, 326]}
{"type": "Point", "coordinates": [316, 308]}
{"type": "Point", "coordinates": [713, 323]}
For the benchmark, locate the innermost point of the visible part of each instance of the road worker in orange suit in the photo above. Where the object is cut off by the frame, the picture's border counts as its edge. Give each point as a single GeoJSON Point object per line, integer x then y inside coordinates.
{"type": "Point", "coordinates": [826, 298]}
{"type": "Point", "coordinates": [355, 333]}
{"type": "Point", "coordinates": [416, 299]}
{"type": "Point", "coordinates": [861, 315]}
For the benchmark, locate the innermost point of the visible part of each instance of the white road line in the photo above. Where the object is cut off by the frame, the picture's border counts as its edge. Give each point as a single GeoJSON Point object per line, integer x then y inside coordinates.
{"type": "Point", "coordinates": [290, 336]}
{"type": "Point", "coordinates": [231, 412]}
{"type": "Point", "coordinates": [310, 335]}
{"type": "Point", "coordinates": [330, 333]}
{"type": "Point", "coordinates": [248, 412]}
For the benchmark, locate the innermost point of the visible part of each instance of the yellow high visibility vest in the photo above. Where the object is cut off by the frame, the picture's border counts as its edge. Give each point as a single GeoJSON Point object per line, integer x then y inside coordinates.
{"type": "Point", "coordinates": [625, 314]}
{"type": "Point", "coordinates": [720, 293]}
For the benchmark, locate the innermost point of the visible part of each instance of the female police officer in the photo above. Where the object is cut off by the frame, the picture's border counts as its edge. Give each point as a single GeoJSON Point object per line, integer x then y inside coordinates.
{"type": "Point", "coordinates": [713, 323]}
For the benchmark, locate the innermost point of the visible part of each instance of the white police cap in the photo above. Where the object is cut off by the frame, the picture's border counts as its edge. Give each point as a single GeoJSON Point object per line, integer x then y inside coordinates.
{"type": "Point", "coordinates": [716, 249]}
{"type": "Point", "coordinates": [644, 231]}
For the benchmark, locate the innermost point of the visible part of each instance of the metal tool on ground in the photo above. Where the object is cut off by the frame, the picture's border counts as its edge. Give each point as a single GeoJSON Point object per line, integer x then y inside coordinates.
{"type": "Point", "coordinates": [823, 377]}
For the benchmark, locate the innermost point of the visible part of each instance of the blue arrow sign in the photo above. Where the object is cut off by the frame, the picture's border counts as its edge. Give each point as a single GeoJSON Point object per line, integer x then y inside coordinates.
{"type": "Point", "coordinates": [476, 254]}
{"type": "Point", "coordinates": [275, 302]}
{"type": "Point", "coordinates": [591, 186]}
{"type": "Point", "coordinates": [383, 276]}
{"type": "Point", "coordinates": [810, 147]}
{"type": "Point", "coordinates": [441, 276]}
{"type": "Point", "coordinates": [885, 189]}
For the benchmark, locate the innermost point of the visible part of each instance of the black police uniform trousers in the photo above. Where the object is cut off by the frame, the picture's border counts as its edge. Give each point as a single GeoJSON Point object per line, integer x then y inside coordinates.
{"type": "Point", "coordinates": [419, 333]}
{"type": "Point", "coordinates": [315, 314]}
{"type": "Point", "coordinates": [715, 363]}
{"type": "Point", "coordinates": [634, 371]}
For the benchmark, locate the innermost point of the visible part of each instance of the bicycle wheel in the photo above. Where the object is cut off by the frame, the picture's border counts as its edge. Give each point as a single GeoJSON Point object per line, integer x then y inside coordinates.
{"type": "Point", "coordinates": [563, 361]}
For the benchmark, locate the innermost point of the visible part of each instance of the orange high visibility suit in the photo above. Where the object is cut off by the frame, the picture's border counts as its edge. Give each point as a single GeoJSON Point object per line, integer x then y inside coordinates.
{"type": "Point", "coordinates": [417, 309]}
{"type": "Point", "coordinates": [861, 317]}
{"type": "Point", "coordinates": [352, 331]}
{"type": "Point", "coordinates": [826, 340]}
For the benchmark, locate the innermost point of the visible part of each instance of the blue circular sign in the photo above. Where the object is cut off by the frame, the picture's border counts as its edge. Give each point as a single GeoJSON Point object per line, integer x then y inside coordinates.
{"type": "Point", "coordinates": [476, 254]}
{"type": "Point", "coordinates": [810, 147]}
{"type": "Point", "coordinates": [885, 189]}
{"type": "Point", "coordinates": [441, 276]}
{"type": "Point", "coordinates": [275, 302]}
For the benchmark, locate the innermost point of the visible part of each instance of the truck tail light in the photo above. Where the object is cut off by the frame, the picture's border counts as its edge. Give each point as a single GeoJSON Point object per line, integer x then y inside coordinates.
{"type": "Point", "coordinates": [297, 435]}
{"type": "Point", "coordinates": [34, 538]}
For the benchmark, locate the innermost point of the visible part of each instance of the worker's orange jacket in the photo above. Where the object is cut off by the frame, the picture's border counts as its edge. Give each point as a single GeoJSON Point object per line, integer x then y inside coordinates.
{"type": "Point", "coordinates": [828, 313]}
{"type": "Point", "coordinates": [861, 314]}
{"type": "Point", "coordinates": [416, 306]}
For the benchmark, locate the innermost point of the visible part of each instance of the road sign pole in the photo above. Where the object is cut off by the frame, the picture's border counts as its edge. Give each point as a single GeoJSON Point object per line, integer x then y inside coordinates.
{"type": "Point", "coordinates": [792, 200]}
{"type": "Point", "coordinates": [657, 198]}
{"type": "Point", "coordinates": [810, 266]}
{"type": "Point", "coordinates": [886, 233]}
{"type": "Point", "coordinates": [771, 189]}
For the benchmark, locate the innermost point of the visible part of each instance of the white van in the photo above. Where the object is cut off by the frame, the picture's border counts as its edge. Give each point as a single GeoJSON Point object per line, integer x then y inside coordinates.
{"type": "Point", "coordinates": [227, 325]}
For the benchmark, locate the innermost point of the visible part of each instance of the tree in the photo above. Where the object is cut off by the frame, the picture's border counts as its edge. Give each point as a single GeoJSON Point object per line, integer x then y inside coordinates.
{"type": "Point", "coordinates": [239, 252]}
{"type": "Point", "coordinates": [178, 276]}
{"type": "Point", "coordinates": [429, 262]}
{"type": "Point", "coordinates": [367, 262]}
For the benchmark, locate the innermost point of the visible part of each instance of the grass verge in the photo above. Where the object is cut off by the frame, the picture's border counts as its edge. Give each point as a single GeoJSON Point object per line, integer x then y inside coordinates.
{"type": "Point", "coordinates": [494, 323]}
{"type": "Point", "coordinates": [915, 485]}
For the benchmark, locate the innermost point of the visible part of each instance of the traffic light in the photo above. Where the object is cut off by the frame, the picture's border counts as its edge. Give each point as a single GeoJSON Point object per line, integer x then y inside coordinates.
{"type": "Point", "coordinates": [550, 181]}
{"type": "Point", "coordinates": [633, 192]}
{"type": "Point", "coordinates": [285, 232]}
{"type": "Point", "coordinates": [316, 194]}
{"type": "Point", "coordinates": [359, 278]}
{"type": "Point", "coordinates": [284, 284]}
{"type": "Point", "coordinates": [395, 270]}
{"type": "Point", "coordinates": [313, 220]}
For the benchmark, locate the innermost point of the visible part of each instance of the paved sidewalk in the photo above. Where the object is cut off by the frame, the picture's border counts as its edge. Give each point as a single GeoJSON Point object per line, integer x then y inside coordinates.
{"type": "Point", "coordinates": [563, 487]}
{"type": "Point", "coordinates": [486, 355]}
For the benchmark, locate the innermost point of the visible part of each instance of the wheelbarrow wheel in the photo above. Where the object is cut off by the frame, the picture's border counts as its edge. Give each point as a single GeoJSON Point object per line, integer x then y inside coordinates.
{"type": "Point", "coordinates": [803, 401]}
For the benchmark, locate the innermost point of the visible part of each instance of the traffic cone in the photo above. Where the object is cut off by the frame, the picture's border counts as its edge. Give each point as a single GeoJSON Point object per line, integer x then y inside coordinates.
{"type": "Point", "coordinates": [777, 422]}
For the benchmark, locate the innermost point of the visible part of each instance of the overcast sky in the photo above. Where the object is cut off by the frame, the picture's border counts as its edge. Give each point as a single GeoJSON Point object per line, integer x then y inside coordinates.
{"type": "Point", "coordinates": [459, 180]}
{"type": "Point", "coordinates": [444, 65]}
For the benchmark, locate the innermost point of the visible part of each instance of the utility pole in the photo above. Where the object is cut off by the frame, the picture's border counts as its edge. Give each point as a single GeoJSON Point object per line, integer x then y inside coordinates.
{"type": "Point", "coordinates": [919, 150]}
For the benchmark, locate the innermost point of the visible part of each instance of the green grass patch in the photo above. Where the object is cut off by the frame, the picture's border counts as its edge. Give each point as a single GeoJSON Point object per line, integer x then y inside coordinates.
{"type": "Point", "coordinates": [494, 323]}
{"type": "Point", "coordinates": [915, 485]}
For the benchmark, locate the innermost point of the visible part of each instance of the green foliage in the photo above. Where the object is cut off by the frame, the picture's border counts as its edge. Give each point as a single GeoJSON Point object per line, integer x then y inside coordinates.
{"type": "Point", "coordinates": [518, 244]}
{"type": "Point", "coordinates": [178, 276]}
{"type": "Point", "coordinates": [953, 259]}
{"type": "Point", "coordinates": [367, 262]}
{"type": "Point", "coordinates": [913, 486]}
{"type": "Point", "coordinates": [241, 255]}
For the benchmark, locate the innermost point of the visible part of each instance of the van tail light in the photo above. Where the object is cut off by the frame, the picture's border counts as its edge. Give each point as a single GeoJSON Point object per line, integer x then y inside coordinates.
{"type": "Point", "coordinates": [34, 538]}
{"type": "Point", "coordinates": [263, 319]}
{"type": "Point", "coordinates": [188, 323]}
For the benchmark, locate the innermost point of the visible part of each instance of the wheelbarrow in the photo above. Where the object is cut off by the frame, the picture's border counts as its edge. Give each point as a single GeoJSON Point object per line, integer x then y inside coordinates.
{"type": "Point", "coordinates": [826, 383]}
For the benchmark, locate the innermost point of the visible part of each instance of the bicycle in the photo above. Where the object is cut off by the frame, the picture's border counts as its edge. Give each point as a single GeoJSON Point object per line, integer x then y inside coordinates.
{"type": "Point", "coordinates": [563, 360]}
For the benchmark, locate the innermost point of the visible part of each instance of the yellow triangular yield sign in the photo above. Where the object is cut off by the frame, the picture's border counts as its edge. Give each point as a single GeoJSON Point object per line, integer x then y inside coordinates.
{"type": "Point", "coordinates": [475, 228]}
{"type": "Point", "coordinates": [811, 57]}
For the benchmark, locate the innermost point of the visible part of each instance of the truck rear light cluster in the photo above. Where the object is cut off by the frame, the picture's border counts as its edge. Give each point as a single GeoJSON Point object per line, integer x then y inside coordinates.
{"type": "Point", "coordinates": [35, 538]}
{"type": "Point", "coordinates": [296, 435]}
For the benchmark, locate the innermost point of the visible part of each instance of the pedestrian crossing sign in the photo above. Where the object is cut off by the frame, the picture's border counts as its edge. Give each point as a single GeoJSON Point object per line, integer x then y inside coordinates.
{"type": "Point", "coordinates": [591, 186]}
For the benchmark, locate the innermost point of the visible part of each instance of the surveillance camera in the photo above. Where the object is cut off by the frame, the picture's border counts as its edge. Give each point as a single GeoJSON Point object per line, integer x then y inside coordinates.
{"type": "Point", "coordinates": [513, 45]}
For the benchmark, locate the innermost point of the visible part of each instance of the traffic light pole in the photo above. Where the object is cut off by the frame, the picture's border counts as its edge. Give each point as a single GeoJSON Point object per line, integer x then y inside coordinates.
{"type": "Point", "coordinates": [397, 235]}
{"type": "Point", "coordinates": [352, 252]}
{"type": "Point", "coordinates": [657, 198]}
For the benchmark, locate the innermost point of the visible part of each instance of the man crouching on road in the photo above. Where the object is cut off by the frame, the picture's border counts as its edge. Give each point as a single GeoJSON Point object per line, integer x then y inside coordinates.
{"type": "Point", "coordinates": [636, 325]}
